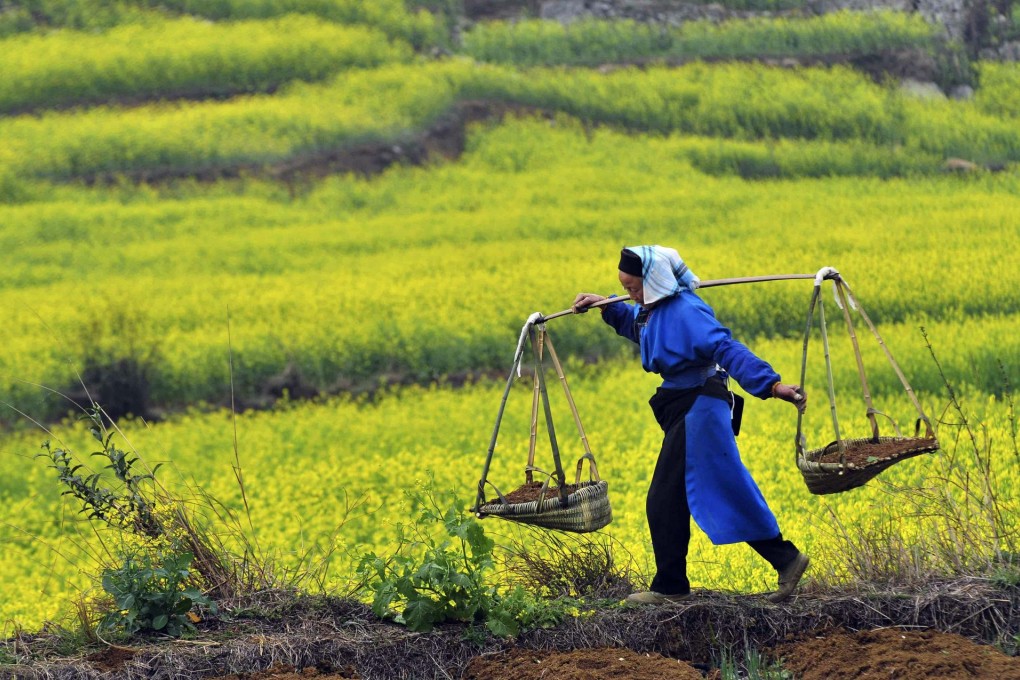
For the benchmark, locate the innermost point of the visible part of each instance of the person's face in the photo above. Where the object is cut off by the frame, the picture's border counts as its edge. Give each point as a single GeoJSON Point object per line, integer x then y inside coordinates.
{"type": "Point", "coordinates": [634, 285]}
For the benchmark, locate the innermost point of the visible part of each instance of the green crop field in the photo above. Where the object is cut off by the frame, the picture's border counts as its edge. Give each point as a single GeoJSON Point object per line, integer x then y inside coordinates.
{"type": "Point", "coordinates": [204, 60]}
{"type": "Point", "coordinates": [598, 42]}
{"type": "Point", "coordinates": [156, 250]}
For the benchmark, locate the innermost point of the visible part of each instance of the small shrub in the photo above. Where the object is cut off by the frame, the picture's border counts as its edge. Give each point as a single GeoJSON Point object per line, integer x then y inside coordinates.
{"type": "Point", "coordinates": [125, 508]}
{"type": "Point", "coordinates": [154, 588]}
{"type": "Point", "coordinates": [168, 547]}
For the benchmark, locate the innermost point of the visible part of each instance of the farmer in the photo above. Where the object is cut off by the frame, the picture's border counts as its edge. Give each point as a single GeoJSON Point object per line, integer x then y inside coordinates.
{"type": "Point", "coordinates": [699, 471]}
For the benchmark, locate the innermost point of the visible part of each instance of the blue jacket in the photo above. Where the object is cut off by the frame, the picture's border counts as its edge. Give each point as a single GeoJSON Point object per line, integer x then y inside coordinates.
{"type": "Point", "coordinates": [683, 342]}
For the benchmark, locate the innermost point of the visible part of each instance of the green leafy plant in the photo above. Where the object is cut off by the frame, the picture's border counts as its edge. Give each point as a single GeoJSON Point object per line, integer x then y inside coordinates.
{"type": "Point", "coordinates": [154, 588]}
{"type": "Point", "coordinates": [153, 596]}
{"type": "Point", "coordinates": [519, 609]}
{"type": "Point", "coordinates": [431, 581]}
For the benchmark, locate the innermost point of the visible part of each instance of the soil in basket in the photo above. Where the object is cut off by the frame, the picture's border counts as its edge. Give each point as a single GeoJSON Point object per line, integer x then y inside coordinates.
{"type": "Point", "coordinates": [531, 491]}
{"type": "Point", "coordinates": [861, 454]}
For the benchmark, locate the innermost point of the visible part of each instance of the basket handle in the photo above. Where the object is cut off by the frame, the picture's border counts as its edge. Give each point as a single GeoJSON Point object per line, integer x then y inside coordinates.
{"type": "Point", "coordinates": [535, 400]}
{"type": "Point", "coordinates": [499, 494]}
{"type": "Point", "coordinates": [845, 302]}
{"type": "Point", "coordinates": [594, 470]}
{"type": "Point", "coordinates": [480, 495]}
{"type": "Point", "coordinates": [895, 425]}
{"type": "Point", "coordinates": [566, 390]}
{"type": "Point", "coordinates": [801, 442]}
{"type": "Point", "coordinates": [544, 489]}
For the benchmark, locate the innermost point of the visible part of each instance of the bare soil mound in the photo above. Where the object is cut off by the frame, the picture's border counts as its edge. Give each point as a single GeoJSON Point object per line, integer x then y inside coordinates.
{"type": "Point", "coordinates": [605, 663]}
{"type": "Point", "coordinates": [894, 653]}
{"type": "Point", "coordinates": [885, 654]}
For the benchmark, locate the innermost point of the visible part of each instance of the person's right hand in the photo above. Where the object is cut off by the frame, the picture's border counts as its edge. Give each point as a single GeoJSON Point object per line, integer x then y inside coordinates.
{"type": "Point", "coordinates": [585, 300]}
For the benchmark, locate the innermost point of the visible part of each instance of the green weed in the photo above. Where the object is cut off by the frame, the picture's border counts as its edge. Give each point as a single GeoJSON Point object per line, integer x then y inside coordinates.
{"type": "Point", "coordinates": [153, 595]}
{"type": "Point", "coordinates": [753, 666]}
{"type": "Point", "coordinates": [430, 581]}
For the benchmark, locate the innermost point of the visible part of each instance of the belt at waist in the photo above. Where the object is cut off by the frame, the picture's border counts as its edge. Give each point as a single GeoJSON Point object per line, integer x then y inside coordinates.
{"type": "Point", "coordinates": [670, 405]}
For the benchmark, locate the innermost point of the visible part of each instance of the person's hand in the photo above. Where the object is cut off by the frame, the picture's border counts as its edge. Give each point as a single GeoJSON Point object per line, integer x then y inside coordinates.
{"type": "Point", "coordinates": [792, 394]}
{"type": "Point", "coordinates": [584, 300]}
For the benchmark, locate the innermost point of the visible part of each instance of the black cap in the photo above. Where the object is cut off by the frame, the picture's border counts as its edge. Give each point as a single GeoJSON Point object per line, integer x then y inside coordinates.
{"type": "Point", "coordinates": [630, 263]}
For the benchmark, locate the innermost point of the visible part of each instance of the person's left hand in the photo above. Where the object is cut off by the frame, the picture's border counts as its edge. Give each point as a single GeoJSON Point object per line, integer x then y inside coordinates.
{"type": "Point", "coordinates": [583, 301]}
{"type": "Point", "coordinates": [792, 394]}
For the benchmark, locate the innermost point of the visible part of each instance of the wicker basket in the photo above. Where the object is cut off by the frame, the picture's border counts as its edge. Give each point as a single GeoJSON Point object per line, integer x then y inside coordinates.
{"type": "Point", "coordinates": [829, 477]}
{"type": "Point", "coordinates": [587, 509]}
{"type": "Point", "coordinates": [586, 506]}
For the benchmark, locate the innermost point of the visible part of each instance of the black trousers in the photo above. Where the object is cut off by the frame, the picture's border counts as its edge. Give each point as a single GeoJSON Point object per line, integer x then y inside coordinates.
{"type": "Point", "coordinates": [669, 516]}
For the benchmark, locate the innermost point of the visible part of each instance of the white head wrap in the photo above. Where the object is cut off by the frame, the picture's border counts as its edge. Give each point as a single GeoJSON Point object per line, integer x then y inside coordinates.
{"type": "Point", "coordinates": [665, 274]}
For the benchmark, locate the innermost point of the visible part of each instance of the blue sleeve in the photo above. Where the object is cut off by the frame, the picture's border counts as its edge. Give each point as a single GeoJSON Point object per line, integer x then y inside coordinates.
{"type": "Point", "coordinates": [716, 342]}
{"type": "Point", "coordinates": [620, 316]}
{"type": "Point", "coordinates": [754, 375]}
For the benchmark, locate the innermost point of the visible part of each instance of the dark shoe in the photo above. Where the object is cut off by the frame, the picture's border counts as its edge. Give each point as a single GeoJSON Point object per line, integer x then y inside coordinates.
{"type": "Point", "coordinates": [652, 597]}
{"type": "Point", "coordinates": [789, 577]}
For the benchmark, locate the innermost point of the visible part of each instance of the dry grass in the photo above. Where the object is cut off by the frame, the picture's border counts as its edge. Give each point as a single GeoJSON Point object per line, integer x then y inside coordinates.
{"type": "Point", "coordinates": [957, 522]}
{"type": "Point", "coordinates": [558, 564]}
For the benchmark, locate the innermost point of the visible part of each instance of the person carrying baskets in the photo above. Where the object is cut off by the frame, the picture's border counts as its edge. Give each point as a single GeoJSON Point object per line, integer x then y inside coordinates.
{"type": "Point", "coordinates": [699, 472]}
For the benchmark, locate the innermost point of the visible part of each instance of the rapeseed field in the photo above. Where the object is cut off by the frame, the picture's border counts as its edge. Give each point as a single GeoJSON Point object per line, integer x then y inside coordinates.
{"type": "Point", "coordinates": [398, 296]}
{"type": "Point", "coordinates": [304, 465]}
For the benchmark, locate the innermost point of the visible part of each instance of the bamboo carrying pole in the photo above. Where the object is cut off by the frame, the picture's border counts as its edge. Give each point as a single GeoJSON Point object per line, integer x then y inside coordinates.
{"type": "Point", "coordinates": [536, 320]}
{"type": "Point", "coordinates": [704, 284]}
